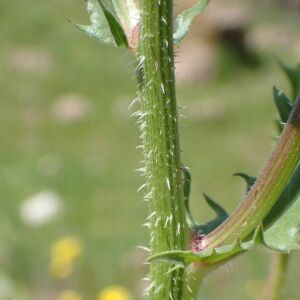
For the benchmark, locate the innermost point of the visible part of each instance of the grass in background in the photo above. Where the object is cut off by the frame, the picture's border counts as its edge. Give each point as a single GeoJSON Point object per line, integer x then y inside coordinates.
{"type": "Point", "coordinates": [90, 162]}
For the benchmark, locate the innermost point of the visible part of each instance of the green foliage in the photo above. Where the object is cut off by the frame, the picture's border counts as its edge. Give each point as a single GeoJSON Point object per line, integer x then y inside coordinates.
{"type": "Point", "coordinates": [284, 234]}
{"type": "Point", "coordinates": [209, 257]}
{"type": "Point", "coordinates": [115, 27]}
{"type": "Point", "coordinates": [250, 180]}
{"type": "Point", "coordinates": [286, 199]}
{"type": "Point", "coordinates": [99, 28]}
{"type": "Point", "coordinates": [290, 195]}
{"type": "Point", "coordinates": [105, 27]}
{"type": "Point", "coordinates": [184, 20]}
{"type": "Point", "coordinates": [119, 27]}
{"type": "Point", "coordinates": [281, 227]}
{"type": "Point", "coordinates": [283, 104]}
{"type": "Point", "coordinates": [293, 74]}
{"type": "Point", "coordinates": [187, 179]}
{"type": "Point", "coordinates": [90, 153]}
{"type": "Point", "coordinates": [284, 107]}
{"type": "Point", "coordinates": [221, 216]}
{"type": "Point", "coordinates": [128, 14]}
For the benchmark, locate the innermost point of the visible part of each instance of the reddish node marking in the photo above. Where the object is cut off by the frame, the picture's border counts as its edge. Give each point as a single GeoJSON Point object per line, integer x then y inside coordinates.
{"type": "Point", "coordinates": [198, 242]}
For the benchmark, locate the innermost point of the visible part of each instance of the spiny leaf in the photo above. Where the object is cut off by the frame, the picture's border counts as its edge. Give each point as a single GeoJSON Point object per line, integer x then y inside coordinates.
{"type": "Point", "coordinates": [115, 27]}
{"type": "Point", "coordinates": [184, 20]}
{"type": "Point", "coordinates": [283, 104]}
{"type": "Point", "coordinates": [293, 74]}
{"type": "Point", "coordinates": [282, 236]}
{"type": "Point", "coordinates": [210, 257]}
{"type": "Point", "coordinates": [289, 195]}
{"type": "Point", "coordinates": [282, 231]}
{"type": "Point", "coordinates": [250, 180]}
{"type": "Point", "coordinates": [99, 28]}
{"type": "Point", "coordinates": [284, 213]}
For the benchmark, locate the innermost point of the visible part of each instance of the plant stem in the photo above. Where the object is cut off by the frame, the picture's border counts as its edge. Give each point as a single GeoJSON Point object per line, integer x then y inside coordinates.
{"type": "Point", "coordinates": [158, 122]}
{"type": "Point", "coordinates": [272, 180]}
{"type": "Point", "coordinates": [275, 281]}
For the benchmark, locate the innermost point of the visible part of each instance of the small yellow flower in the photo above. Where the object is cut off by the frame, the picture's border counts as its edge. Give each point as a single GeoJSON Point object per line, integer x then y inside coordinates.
{"type": "Point", "coordinates": [114, 293]}
{"type": "Point", "coordinates": [69, 295]}
{"type": "Point", "coordinates": [63, 253]}
{"type": "Point", "coordinates": [67, 248]}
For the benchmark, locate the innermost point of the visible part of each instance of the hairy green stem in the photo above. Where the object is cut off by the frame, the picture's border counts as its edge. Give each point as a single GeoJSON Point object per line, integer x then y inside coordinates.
{"type": "Point", "coordinates": [275, 281]}
{"type": "Point", "coordinates": [271, 182]}
{"type": "Point", "coordinates": [158, 122]}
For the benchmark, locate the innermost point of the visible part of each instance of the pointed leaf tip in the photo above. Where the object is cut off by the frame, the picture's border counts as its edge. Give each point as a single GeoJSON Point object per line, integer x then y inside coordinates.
{"type": "Point", "coordinates": [99, 28]}
{"type": "Point", "coordinates": [285, 200]}
{"type": "Point", "coordinates": [218, 209]}
{"type": "Point", "coordinates": [221, 213]}
{"type": "Point", "coordinates": [283, 104]}
{"type": "Point", "coordinates": [293, 75]}
{"type": "Point", "coordinates": [115, 27]}
{"type": "Point", "coordinates": [258, 236]}
{"type": "Point", "coordinates": [250, 180]}
{"type": "Point", "coordinates": [104, 26]}
{"type": "Point", "coordinates": [184, 20]}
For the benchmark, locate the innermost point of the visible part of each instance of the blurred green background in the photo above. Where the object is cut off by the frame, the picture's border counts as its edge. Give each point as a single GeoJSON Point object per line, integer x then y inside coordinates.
{"type": "Point", "coordinates": [68, 146]}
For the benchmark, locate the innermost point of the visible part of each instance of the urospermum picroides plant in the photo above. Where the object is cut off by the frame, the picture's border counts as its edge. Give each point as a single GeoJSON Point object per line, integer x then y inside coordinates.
{"type": "Point", "coordinates": [183, 251]}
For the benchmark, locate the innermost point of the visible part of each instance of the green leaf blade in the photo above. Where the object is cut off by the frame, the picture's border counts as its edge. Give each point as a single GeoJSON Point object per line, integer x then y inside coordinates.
{"type": "Point", "coordinates": [218, 209]}
{"type": "Point", "coordinates": [116, 29]}
{"type": "Point", "coordinates": [221, 216]}
{"type": "Point", "coordinates": [284, 234]}
{"type": "Point", "coordinates": [293, 75]}
{"type": "Point", "coordinates": [283, 104]}
{"type": "Point", "coordinates": [104, 26]}
{"type": "Point", "coordinates": [99, 28]}
{"type": "Point", "coordinates": [285, 200]}
{"type": "Point", "coordinates": [250, 180]}
{"type": "Point", "coordinates": [209, 257]}
{"type": "Point", "coordinates": [184, 20]}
